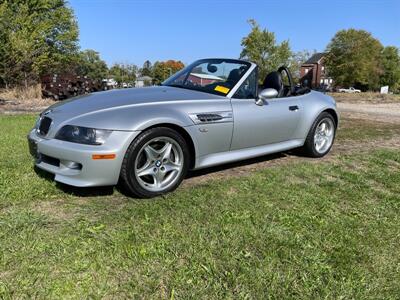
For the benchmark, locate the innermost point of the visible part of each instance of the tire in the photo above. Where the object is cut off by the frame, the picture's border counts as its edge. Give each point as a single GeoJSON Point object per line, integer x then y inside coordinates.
{"type": "Point", "coordinates": [155, 163]}
{"type": "Point", "coordinates": [313, 146]}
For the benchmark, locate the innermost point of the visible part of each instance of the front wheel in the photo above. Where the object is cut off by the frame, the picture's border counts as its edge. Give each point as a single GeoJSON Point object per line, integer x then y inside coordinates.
{"type": "Point", "coordinates": [155, 163]}
{"type": "Point", "coordinates": [320, 139]}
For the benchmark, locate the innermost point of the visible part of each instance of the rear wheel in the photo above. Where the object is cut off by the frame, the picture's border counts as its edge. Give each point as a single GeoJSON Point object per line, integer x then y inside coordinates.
{"type": "Point", "coordinates": [320, 139]}
{"type": "Point", "coordinates": [155, 163]}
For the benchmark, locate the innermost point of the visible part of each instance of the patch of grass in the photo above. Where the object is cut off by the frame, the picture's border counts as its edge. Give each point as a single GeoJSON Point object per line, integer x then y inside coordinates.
{"type": "Point", "coordinates": [351, 129]}
{"type": "Point", "coordinates": [305, 230]}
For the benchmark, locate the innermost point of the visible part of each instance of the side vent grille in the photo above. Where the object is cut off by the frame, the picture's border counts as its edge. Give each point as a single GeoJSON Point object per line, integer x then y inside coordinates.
{"type": "Point", "coordinates": [211, 117]}
{"type": "Point", "coordinates": [206, 118]}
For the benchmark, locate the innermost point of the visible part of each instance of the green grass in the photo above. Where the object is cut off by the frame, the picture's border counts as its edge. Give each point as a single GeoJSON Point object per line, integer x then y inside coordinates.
{"type": "Point", "coordinates": [360, 130]}
{"type": "Point", "coordinates": [305, 230]}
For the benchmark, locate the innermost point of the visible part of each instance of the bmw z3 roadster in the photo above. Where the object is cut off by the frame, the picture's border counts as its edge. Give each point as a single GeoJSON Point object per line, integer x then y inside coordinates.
{"type": "Point", "coordinates": [212, 112]}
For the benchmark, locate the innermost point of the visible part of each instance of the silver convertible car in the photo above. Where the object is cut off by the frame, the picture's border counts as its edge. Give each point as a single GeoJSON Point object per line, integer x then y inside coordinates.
{"type": "Point", "coordinates": [212, 112]}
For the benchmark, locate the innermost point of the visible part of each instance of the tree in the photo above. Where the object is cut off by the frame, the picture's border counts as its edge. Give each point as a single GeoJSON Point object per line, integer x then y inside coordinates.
{"type": "Point", "coordinates": [146, 70]}
{"type": "Point", "coordinates": [354, 59]}
{"type": "Point", "coordinates": [260, 47]}
{"type": "Point", "coordinates": [391, 68]}
{"type": "Point", "coordinates": [37, 37]}
{"type": "Point", "coordinates": [163, 70]}
{"type": "Point", "coordinates": [123, 72]}
{"type": "Point", "coordinates": [91, 65]}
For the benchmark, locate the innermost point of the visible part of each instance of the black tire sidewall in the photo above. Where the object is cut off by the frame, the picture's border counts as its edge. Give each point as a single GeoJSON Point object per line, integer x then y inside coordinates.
{"type": "Point", "coordinates": [128, 177]}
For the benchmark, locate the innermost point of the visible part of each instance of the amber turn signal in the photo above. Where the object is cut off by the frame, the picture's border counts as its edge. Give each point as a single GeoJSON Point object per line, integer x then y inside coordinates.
{"type": "Point", "coordinates": [103, 156]}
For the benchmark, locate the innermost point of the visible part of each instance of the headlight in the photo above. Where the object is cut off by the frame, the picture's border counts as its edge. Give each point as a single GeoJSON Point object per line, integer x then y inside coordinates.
{"type": "Point", "coordinates": [82, 135]}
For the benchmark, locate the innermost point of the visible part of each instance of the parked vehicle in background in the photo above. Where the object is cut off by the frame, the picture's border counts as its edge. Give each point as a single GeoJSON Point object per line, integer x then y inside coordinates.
{"type": "Point", "coordinates": [63, 86]}
{"type": "Point", "coordinates": [349, 90]}
{"type": "Point", "coordinates": [110, 84]}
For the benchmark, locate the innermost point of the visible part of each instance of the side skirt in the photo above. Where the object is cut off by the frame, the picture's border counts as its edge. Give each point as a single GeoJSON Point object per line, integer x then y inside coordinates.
{"type": "Point", "coordinates": [241, 154]}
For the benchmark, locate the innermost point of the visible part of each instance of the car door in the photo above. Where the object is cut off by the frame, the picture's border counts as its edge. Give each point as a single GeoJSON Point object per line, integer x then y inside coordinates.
{"type": "Point", "coordinates": [272, 122]}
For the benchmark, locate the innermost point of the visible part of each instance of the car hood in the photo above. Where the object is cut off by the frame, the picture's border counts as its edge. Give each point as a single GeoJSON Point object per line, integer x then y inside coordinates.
{"type": "Point", "coordinates": [123, 97]}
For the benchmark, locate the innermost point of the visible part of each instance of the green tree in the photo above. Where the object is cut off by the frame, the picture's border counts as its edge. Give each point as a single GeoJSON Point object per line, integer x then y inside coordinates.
{"type": "Point", "coordinates": [90, 64]}
{"type": "Point", "coordinates": [146, 70]}
{"type": "Point", "coordinates": [163, 70]}
{"type": "Point", "coordinates": [37, 37]}
{"type": "Point", "coordinates": [123, 73]}
{"type": "Point", "coordinates": [260, 47]}
{"type": "Point", "coordinates": [391, 68]}
{"type": "Point", "coordinates": [354, 59]}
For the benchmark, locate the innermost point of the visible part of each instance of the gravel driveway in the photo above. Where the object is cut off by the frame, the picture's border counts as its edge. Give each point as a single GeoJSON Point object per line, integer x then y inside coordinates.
{"type": "Point", "coordinates": [385, 112]}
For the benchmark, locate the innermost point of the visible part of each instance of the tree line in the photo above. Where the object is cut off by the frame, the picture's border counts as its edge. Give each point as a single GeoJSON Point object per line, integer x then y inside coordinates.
{"type": "Point", "coordinates": [353, 58]}
{"type": "Point", "coordinates": [40, 37]}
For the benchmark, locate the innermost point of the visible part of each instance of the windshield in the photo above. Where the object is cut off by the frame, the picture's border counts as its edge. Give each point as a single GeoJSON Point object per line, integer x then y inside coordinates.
{"type": "Point", "coordinates": [216, 76]}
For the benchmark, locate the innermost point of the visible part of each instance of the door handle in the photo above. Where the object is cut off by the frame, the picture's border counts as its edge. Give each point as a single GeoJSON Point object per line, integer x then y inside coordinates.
{"type": "Point", "coordinates": [293, 108]}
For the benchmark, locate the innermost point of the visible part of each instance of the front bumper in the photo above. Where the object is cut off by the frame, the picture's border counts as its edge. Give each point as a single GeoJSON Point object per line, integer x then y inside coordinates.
{"type": "Point", "coordinates": [73, 164]}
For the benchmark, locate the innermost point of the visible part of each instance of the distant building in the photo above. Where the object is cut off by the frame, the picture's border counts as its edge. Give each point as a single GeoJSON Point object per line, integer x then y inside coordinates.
{"type": "Point", "coordinates": [313, 73]}
{"type": "Point", "coordinates": [203, 79]}
{"type": "Point", "coordinates": [143, 81]}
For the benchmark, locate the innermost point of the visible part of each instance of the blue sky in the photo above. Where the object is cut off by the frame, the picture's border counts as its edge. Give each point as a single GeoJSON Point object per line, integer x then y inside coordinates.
{"type": "Point", "coordinates": [132, 31]}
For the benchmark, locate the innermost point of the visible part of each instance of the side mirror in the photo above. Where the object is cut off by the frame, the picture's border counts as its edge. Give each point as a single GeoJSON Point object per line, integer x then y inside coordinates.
{"type": "Point", "coordinates": [266, 94]}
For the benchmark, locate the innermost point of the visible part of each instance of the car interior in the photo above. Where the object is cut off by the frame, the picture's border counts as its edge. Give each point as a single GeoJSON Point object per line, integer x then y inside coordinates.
{"type": "Point", "coordinates": [275, 80]}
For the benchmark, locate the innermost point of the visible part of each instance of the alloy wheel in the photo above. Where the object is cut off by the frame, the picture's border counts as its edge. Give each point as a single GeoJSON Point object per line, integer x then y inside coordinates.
{"type": "Point", "coordinates": [159, 164]}
{"type": "Point", "coordinates": [323, 136]}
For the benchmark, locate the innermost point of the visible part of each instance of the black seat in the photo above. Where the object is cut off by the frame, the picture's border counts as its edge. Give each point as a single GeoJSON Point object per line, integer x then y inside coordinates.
{"type": "Point", "coordinates": [274, 81]}
{"type": "Point", "coordinates": [233, 77]}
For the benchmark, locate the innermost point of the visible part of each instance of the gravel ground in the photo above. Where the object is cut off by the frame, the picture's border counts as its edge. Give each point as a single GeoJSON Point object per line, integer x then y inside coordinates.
{"type": "Point", "coordinates": [385, 112]}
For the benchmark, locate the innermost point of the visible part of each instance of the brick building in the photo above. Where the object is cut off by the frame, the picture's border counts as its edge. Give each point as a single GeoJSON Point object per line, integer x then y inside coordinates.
{"type": "Point", "coordinates": [313, 73]}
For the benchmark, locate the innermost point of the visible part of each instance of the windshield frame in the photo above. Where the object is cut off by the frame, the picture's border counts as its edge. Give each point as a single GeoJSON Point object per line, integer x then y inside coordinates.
{"type": "Point", "coordinates": [250, 66]}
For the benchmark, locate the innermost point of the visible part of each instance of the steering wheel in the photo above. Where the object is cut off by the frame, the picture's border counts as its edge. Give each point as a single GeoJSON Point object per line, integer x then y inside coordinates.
{"type": "Point", "coordinates": [290, 87]}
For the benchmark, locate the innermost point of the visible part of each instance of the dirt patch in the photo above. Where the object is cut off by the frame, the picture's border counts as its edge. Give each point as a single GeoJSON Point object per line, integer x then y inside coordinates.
{"type": "Point", "coordinates": [384, 112]}
{"type": "Point", "coordinates": [23, 100]}
{"type": "Point", "coordinates": [24, 106]}
{"type": "Point", "coordinates": [371, 98]}
{"type": "Point", "coordinates": [54, 209]}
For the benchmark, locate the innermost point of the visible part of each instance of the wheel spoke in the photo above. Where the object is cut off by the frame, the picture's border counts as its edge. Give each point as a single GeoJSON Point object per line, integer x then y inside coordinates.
{"type": "Point", "coordinates": [147, 169]}
{"type": "Point", "coordinates": [171, 167]}
{"type": "Point", "coordinates": [158, 178]}
{"type": "Point", "coordinates": [166, 152]}
{"type": "Point", "coordinates": [151, 153]}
